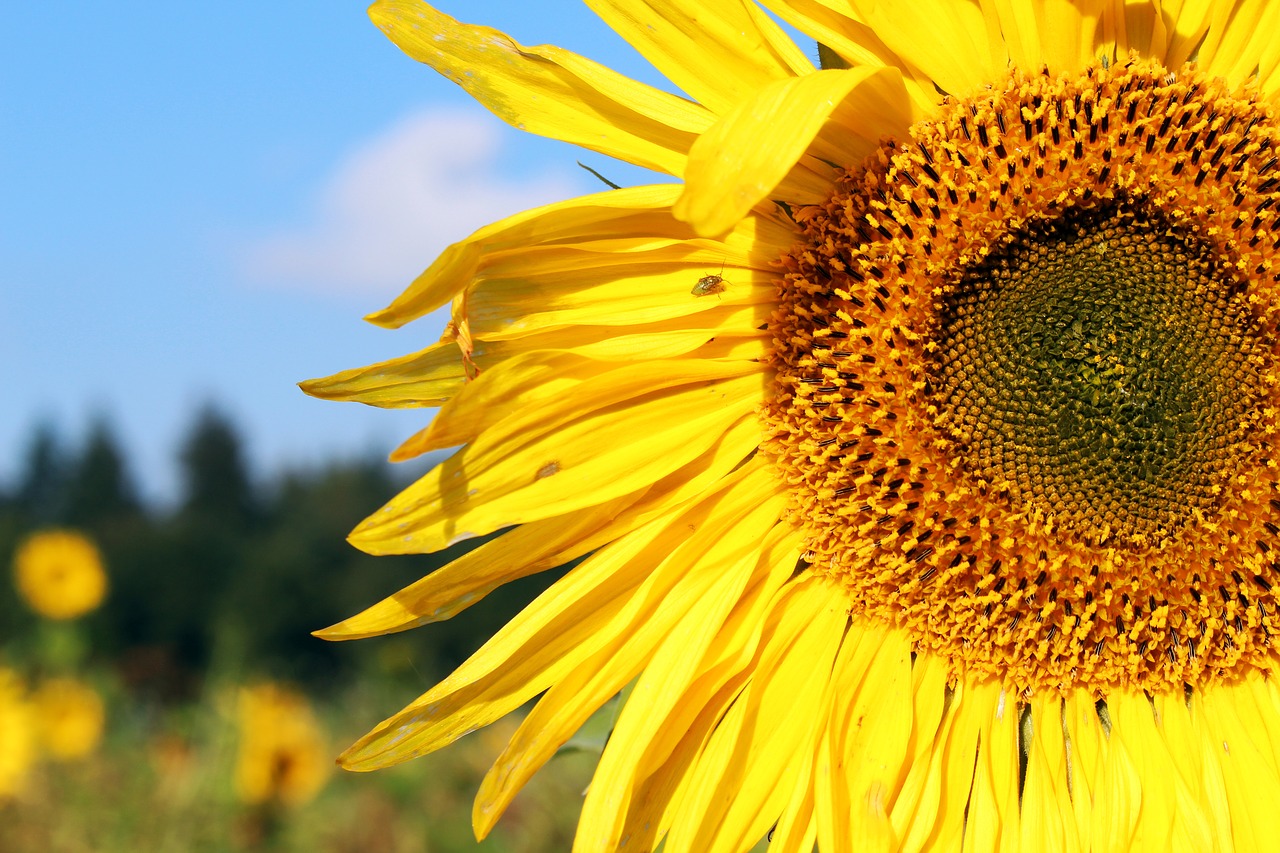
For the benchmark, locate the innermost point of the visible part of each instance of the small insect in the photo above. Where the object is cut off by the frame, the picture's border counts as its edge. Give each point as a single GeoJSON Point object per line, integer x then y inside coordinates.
{"type": "Point", "coordinates": [710, 284]}
{"type": "Point", "coordinates": [458, 329]}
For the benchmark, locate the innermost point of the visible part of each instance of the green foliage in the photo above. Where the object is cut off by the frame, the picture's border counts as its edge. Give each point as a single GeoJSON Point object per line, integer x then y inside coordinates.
{"type": "Point", "coordinates": [163, 782]}
{"type": "Point", "coordinates": [216, 481]}
{"type": "Point", "coordinates": [43, 481]}
{"type": "Point", "coordinates": [98, 491]}
{"type": "Point", "coordinates": [236, 576]}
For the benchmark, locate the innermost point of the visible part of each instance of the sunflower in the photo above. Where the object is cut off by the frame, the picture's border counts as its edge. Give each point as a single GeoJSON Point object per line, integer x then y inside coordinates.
{"type": "Point", "coordinates": [283, 756]}
{"type": "Point", "coordinates": [59, 573]}
{"type": "Point", "coordinates": [917, 441]}
{"type": "Point", "coordinates": [17, 735]}
{"type": "Point", "coordinates": [70, 718]}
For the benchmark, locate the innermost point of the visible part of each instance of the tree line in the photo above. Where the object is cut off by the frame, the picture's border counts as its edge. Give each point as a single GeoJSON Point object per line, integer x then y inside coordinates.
{"type": "Point", "coordinates": [237, 573]}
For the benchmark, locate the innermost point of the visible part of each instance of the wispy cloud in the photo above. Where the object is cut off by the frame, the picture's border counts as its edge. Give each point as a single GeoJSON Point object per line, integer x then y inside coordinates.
{"type": "Point", "coordinates": [396, 201]}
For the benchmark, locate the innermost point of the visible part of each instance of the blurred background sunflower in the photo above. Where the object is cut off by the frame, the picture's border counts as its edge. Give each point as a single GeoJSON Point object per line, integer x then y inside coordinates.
{"type": "Point", "coordinates": [283, 754]}
{"type": "Point", "coordinates": [70, 718]}
{"type": "Point", "coordinates": [59, 574]}
{"type": "Point", "coordinates": [17, 735]}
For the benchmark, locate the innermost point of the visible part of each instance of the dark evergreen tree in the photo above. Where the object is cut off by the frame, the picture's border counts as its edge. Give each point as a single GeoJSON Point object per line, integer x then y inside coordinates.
{"type": "Point", "coordinates": [99, 491]}
{"type": "Point", "coordinates": [41, 491]}
{"type": "Point", "coordinates": [216, 483]}
{"type": "Point", "coordinates": [203, 549]}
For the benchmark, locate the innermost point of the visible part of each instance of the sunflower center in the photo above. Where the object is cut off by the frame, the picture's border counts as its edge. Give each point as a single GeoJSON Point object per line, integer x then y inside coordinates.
{"type": "Point", "coordinates": [1026, 393]}
{"type": "Point", "coordinates": [1093, 367]}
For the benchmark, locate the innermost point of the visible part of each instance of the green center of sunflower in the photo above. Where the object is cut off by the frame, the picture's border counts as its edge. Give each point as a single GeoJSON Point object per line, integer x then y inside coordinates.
{"type": "Point", "coordinates": [1097, 367]}
{"type": "Point", "coordinates": [1026, 393]}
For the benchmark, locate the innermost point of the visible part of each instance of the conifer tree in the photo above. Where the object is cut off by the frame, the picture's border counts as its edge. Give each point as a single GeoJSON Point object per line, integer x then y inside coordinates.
{"type": "Point", "coordinates": [41, 489]}
{"type": "Point", "coordinates": [216, 483]}
{"type": "Point", "coordinates": [99, 490]}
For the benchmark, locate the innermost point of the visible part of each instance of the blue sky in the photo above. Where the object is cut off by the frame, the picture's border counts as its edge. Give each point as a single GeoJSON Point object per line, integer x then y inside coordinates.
{"type": "Point", "coordinates": [200, 201]}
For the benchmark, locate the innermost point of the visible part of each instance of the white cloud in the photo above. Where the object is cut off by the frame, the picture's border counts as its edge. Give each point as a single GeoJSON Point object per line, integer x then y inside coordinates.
{"type": "Point", "coordinates": [396, 201]}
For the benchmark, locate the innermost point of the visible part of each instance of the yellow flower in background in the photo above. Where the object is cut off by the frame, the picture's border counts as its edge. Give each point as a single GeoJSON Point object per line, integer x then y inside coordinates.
{"type": "Point", "coordinates": [918, 441]}
{"type": "Point", "coordinates": [17, 735]}
{"type": "Point", "coordinates": [70, 717]}
{"type": "Point", "coordinates": [283, 755]}
{"type": "Point", "coordinates": [59, 574]}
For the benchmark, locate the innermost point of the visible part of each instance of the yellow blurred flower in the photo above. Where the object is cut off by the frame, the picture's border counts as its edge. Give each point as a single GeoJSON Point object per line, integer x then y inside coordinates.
{"type": "Point", "coordinates": [70, 717]}
{"type": "Point", "coordinates": [283, 751]}
{"type": "Point", "coordinates": [17, 734]}
{"type": "Point", "coordinates": [59, 573]}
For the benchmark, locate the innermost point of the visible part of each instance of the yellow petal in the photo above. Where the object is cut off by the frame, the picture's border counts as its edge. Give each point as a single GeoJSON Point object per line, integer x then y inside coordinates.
{"type": "Point", "coordinates": [513, 376]}
{"type": "Point", "coordinates": [1182, 742]}
{"type": "Point", "coordinates": [799, 641]}
{"type": "Point", "coordinates": [1117, 794]}
{"type": "Point", "coordinates": [530, 653]}
{"type": "Point", "coordinates": [671, 757]}
{"type": "Point", "coordinates": [633, 342]}
{"type": "Point", "coordinates": [871, 726]}
{"type": "Point", "coordinates": [718, 52]}
{"type": "Point", "coordinates": [426, 378]}
{"type": "Point", "coordinates": [1130, 25]}
{"type": "Point", "coordinates": [1047, 820]}
{"type": "Point", "coordinates": [955, 760]}
{"type": "Point", "coordinates": [452, 588]}
{"type": "Point", "coordinates": [833, 24]}
{"type": "Point", "coordinates": [546, 90]}
{"type": "Point", "coordinates": [1058, 33]}
{"type": "Point", "coordinates": [744, 157]}
{"type": "Point", "coordinates": [1186, 22]}
{"type": "Point", "coordinates": [1247, 771]}
{"type": "Point", "coordinates": [545, 544]}
{"type": "Point", "coordinates": [830, 811]}
{"type": "Point", "coordinates": [779, 738]}
{"type": "Point", "coordinates": [991, 823]}
{"type": "Point", "coordinates": [1257, 718]}
{"type": "Point", "coordinates": [635, 210]}
{"type": "Point", "coordinates": [589, 286]}
{"type": "Point", "coordinates": [511, 387]}
{"type": "Point", "coordinates": [697, 790]}
{"type": "Point", "coordinates": [560, 629]}
{"type": "Point", "coordinates": [679, 624]}
{"type": "Point", "coordinates": [650, 810]}
{"type": "Point", "coordinates": [1269, 69]}
{"type": "Point", "coordinates": [1267, 694]}
{"type": "Point", "coordinates": [583, 452]}
{"type": "Point", "coordinates": [649, 728]}
{"type": "Point", "coordinates": [1238, 37]}
{"type": "Point", "coordinates": [948, 39]}
{"type": "Point", "coordinates": [1003, 762]}
{"type": "Point", "coordinates": [915, 811]}
{"type": "Point", "coordinates": [1135, 726]}
{"type": "Point", "coordinates": [1085, 743]}
{"type": "Point", "coordinates": [796, 830]}
{"type": "Point", "coordinates": [1213, 786]}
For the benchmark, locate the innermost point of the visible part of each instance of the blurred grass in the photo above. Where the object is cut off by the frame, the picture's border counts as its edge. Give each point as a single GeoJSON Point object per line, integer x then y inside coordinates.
{"type": "Point", "coordinates": [163, 781]}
